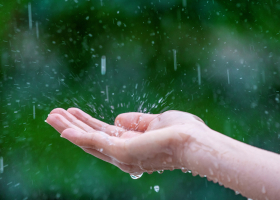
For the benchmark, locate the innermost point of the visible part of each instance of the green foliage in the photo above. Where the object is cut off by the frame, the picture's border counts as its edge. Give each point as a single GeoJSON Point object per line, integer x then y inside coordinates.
{"type": "Point", "coordinates": [234, 46]}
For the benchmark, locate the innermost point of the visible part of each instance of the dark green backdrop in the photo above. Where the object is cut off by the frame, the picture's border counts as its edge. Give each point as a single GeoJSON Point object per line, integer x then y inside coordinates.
{"type": "Point", "coordinates": [216, 59]}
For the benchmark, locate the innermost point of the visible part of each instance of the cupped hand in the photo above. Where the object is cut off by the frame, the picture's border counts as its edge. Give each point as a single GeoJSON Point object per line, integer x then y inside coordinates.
{"type": "Point", "coordinates": [137, 142]}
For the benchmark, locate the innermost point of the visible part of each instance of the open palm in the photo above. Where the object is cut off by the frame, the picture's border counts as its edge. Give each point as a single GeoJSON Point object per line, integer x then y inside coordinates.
{"type": "Point", "coordinates": [137, 142]}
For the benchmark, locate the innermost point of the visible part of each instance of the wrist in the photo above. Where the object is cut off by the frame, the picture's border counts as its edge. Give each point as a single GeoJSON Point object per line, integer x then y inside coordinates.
{"type": "Point", "coordinates": [206, 151]}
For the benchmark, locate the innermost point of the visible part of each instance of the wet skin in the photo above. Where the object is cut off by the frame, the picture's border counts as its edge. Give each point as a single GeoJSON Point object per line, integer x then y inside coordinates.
{"type": "Point", "coordinates": [140, 143]}
{"type": "Point", "coordinates": [137, 142]}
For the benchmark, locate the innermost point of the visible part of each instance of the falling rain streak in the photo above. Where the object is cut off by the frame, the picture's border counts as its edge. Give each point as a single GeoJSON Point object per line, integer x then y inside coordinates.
{"type": "Point", "coordinates": [34, 116]}
{"type": "Point", "coordinates": [29, 15]}
{"type": "Point", "coordinates": [37, 30]}
{"type": "Point", "coordinates": [198, 74]}
{"type": "Point", "coordinates": [1, 165]}
{"type": "Point", "coordinates": [103, 65]}
{"type": "Point", "coordinates": [263, 76]}
{"type": "Point", "coordinates": [107, 93]}
{"type": "Point", "coordinates": [175, 59]}
{"type": "Point", "coordinates": [228, 77]}
{"type": "Point", "coordinates": [184, 2]}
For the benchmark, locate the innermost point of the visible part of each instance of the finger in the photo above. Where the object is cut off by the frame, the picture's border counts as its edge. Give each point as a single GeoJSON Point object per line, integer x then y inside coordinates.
{"type": "Point", "coordinates": [134, 121]}
{"type": "Point", "coordinates": [96, 124]}
{"type": "Point", "coordinates": [123, 167]}
{"type": "Point", "coordinates": [72, 119]}
{"type": "Point", "coordinates": [113, 147]}
{"type": "Point", "coordinates": [60, 123]}
{"type": "Point", "coordinates": [98, 154]}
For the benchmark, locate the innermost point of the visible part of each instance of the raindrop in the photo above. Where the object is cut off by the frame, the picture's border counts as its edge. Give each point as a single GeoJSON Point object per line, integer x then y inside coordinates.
{"type": "Point", "coordinates": [107, 93]}
{"type": "Point", "coordinates": [37, 30]}
{"type": "Point", "coordinates": [175, 59]}
{"type": "Point", "coordinates": [34, 116]}
{"type": "Point", "coordinates": [160, 171]}
{"type": "Point", "coordinates": [228, 77]}
{"type": "Point", "coordinates": [184, 2]}
{"type": "Point", "coordinates": [156, 188]}
{"type": "Point", "coordinates": [184, 170]}
{"type": "Point", "coordinates": [1, 165]}
{"type": "Point", "coordinates": [198, 74]}
{"type": "Point", "coordinates": [103, 65]}
{"type": "Point", "coordinates": [136, 176]}
{"type": "Point", "coordinates": [29, 15]}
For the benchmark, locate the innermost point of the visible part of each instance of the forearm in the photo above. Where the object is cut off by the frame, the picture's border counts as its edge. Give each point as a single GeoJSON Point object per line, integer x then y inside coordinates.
{"type": "Point", "coordinates": [253, 172]}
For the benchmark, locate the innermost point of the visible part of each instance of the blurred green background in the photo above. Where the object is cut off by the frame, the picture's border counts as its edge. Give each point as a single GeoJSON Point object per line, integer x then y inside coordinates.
{"type": "Point", "coordinates": [216, 59]}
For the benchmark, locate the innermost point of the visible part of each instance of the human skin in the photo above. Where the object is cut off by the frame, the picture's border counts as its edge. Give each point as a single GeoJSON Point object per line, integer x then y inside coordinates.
{"type": "Point", "coordinates": [141, 142]}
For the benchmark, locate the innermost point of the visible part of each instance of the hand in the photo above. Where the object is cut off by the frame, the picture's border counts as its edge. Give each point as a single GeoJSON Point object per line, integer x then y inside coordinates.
{"type": "Point", "coordinates": [137, 142]}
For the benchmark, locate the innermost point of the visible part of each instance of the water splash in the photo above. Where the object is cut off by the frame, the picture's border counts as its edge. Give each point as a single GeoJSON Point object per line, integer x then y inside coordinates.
{"type": "Point", "coordinates": [136, 176]}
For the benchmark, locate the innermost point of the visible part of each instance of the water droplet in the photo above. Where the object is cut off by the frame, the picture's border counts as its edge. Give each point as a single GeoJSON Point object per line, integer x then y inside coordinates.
{"type": "Point", "coordinates": [236, 192]}
{"type": "Point", "coordinates": [249, 199]}
{"type": "Point", "coordinates": [156, 188]}
{"type": "Point", "coordinates": [228, 178]}
{"type": "Point", "coordinates": [160, 171]}
{"type": "Point", "coordinates": [211, 171]}
{"type": "Point", "coordinates": [184, 170]}
{"type": "Point", "coordinates": [263, 189]}
{"type": "Point", "coordinates": [136, 176]}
